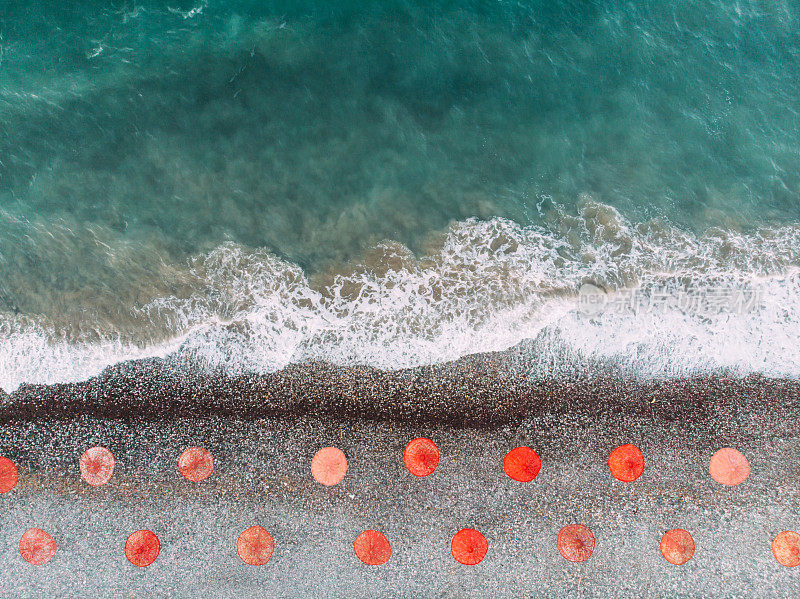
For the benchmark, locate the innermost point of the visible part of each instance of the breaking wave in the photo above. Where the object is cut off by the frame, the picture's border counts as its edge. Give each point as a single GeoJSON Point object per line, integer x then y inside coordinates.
{"type": "Point", "coordinates": [479, 286]}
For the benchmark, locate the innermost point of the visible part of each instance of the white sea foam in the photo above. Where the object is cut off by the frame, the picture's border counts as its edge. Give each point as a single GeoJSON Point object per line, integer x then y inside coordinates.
{"type": "Point", "coordinates": [485, 286]}
{"type": "Point", "coordinates": [30, 354]}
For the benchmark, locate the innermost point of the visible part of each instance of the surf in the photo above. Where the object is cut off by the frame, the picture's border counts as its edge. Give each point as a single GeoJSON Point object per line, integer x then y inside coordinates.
{"type": "Point", "coordinates": [674, 303]}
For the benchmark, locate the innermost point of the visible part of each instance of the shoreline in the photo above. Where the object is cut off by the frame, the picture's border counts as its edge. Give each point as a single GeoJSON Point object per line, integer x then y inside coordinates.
{"type": "Point", "coordinates": [482, 390]}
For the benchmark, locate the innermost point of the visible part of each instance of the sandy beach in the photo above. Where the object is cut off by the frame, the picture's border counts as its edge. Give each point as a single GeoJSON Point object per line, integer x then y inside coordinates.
{"type": "Point", "coordinates": [263, 432]}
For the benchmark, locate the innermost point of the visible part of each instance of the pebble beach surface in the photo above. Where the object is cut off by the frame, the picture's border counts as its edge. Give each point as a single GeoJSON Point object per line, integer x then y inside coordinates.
{"type": "Point", "coordinates": [264, 431]}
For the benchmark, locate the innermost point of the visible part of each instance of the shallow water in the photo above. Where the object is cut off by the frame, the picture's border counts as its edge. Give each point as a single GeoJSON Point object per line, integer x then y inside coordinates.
{"type": "Point", "coordinates": [256, 183]}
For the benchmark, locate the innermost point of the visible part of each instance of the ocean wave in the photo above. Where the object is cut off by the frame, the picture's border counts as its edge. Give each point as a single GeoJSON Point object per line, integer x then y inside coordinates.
{"type": "Point", "coordinates": [480, 286]}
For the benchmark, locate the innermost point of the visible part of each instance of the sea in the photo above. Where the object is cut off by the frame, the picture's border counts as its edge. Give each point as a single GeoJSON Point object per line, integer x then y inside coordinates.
{"type": "Point", "coordinates": [241, 185]}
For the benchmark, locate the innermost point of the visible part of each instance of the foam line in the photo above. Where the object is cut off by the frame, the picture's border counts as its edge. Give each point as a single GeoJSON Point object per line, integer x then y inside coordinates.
{"type": "Point", "coordinates": [485, 286]}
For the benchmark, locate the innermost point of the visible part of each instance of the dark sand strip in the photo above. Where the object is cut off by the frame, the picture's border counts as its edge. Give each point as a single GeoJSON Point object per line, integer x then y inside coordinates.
{"type": "Point", "coordinates": [477, 391]}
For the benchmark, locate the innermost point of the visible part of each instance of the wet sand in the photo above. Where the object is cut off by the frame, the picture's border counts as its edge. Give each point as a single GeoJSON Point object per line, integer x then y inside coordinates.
{"type": "Point", "coordinates": [263, 432]}
{"type": "Point", "coordinates": [484, 390]}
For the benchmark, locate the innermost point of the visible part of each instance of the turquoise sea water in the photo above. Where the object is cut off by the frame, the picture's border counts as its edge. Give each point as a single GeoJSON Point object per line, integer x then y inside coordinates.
{"type": "Point", "coordinates": [253, 183]}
